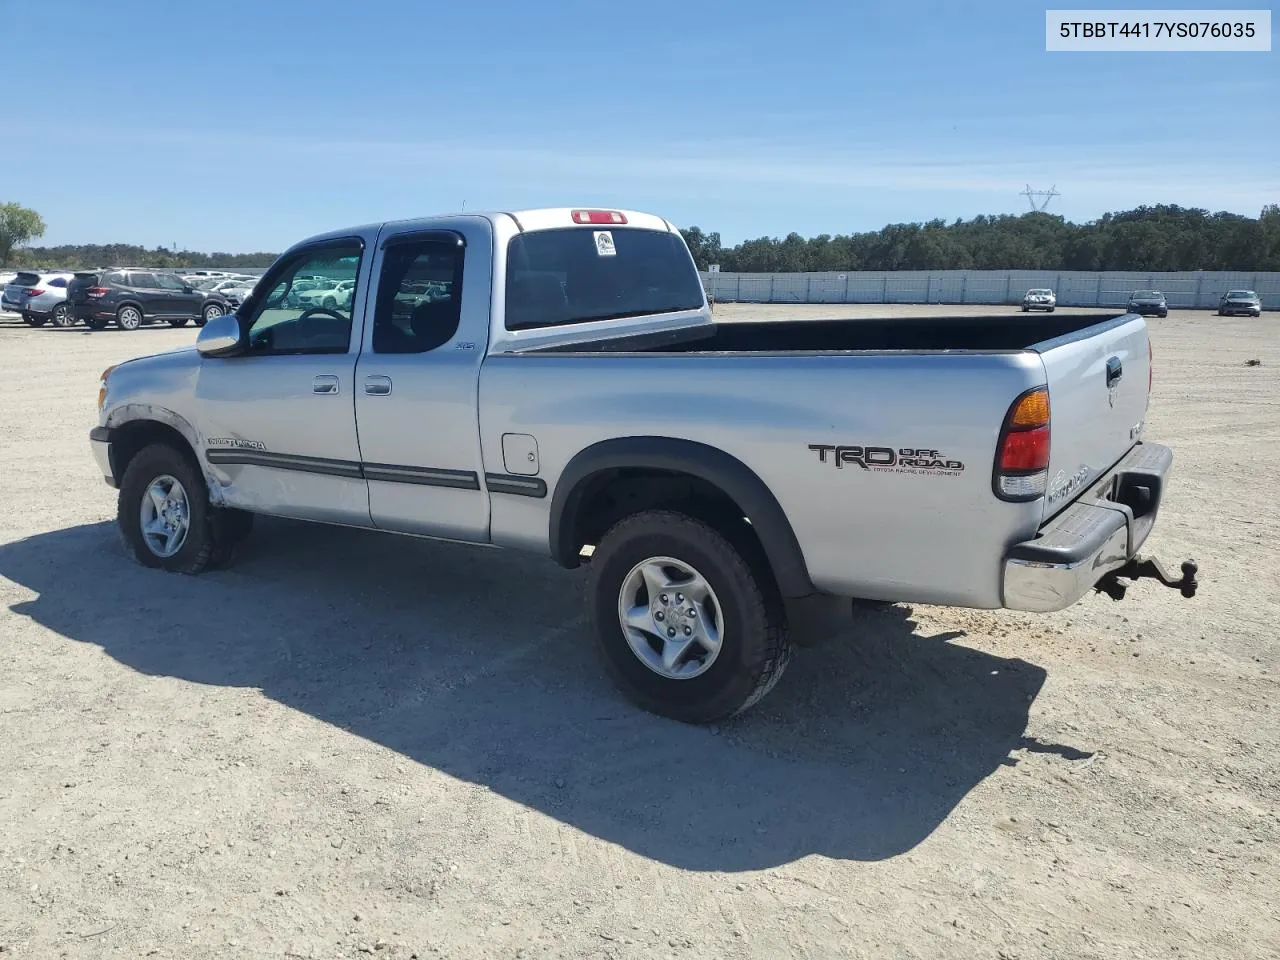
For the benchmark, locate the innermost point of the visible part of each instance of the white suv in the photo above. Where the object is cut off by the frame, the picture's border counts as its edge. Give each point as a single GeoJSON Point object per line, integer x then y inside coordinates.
{"type": "Point", "coordinates": [39, 297]}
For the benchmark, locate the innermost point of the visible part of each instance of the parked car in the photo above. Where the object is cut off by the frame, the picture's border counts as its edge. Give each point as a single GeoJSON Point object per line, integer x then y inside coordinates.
{"type": "Point", "coordinates": [721, 482]}
{"type": "Point", "coordinates": [39, 297]}
{"type": "Point", "coordinates": [1240, 301]}
{"type": "Point", "coordinates": [1039, 298]}
{"type": "Point", "coordinates": [234, 289]}
{"type": "Point", "coordinates": [133, 297]}
{"type": "Point", "coordinates": [330, 295]}
{"type": "Point", "coordinates": [1147, 303]}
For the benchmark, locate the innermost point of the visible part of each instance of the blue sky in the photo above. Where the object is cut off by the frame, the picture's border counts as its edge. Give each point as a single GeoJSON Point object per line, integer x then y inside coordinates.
{"type": "Point", "coordinates": [246, 126]}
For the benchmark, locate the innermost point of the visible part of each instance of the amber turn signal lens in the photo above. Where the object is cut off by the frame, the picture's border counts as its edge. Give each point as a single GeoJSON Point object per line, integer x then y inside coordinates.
{"type": "Point", "coordinates": [1032, 411]}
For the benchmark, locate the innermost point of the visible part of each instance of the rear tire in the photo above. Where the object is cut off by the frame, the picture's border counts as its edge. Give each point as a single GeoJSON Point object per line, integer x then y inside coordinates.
{"type": "Point", "coordinates": [128, 317]}
{"type": "Point", "coordinates": [63, 316]}
{"type": "Point", "coordinates": [740, 606]}
{"type": "Point", "coordinates": [211, 312]}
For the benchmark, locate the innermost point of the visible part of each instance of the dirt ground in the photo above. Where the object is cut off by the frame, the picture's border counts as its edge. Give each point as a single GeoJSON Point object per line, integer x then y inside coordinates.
{"type": "Point", "coordinates": [355, 745]}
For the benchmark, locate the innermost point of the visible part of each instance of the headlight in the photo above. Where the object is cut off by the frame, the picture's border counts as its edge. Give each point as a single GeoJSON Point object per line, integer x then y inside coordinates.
{"type": "Point", "coordinates": [102, 385]}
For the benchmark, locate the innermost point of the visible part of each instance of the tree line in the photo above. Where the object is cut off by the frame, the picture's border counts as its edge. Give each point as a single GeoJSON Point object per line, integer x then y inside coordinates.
{"type": "Point", "coordinates": [1149, 238]}
{"type": "Point", "coordinates": [75, 256]}
{"type": "Point", "coordinates": [1164, 237]}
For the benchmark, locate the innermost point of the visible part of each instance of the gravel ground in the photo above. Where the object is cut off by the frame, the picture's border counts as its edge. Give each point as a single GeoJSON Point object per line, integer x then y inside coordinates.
{"type": "Point", "coordinates": [353, 745]}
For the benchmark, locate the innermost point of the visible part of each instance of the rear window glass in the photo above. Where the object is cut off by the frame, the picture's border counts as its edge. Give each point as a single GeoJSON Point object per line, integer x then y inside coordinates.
{"type": "Point", "coordinates": [579, 274]}
{"type": "Point", "coordinates": [27, 279]}
{"type": "Point", "coordinates": [85, 280]}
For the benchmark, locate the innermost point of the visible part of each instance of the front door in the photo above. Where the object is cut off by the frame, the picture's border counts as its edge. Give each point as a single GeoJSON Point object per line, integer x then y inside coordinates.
{"type": "Point", "coordinates": [280, 419]}
{"type": "Point", "coordinates": [416, 386]}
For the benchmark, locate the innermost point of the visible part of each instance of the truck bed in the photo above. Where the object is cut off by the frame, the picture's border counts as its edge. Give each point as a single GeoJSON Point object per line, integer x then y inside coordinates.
{"type": "Point", "coordinates": [997, 333]}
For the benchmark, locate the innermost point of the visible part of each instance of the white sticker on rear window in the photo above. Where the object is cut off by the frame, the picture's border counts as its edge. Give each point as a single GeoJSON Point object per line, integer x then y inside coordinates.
{"type": "Point", "coordinates": [604, 244]}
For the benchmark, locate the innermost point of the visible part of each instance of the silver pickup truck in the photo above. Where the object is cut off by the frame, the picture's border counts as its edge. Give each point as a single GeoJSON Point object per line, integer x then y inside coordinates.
{"type": "Point", "coordinates": [553, 381]}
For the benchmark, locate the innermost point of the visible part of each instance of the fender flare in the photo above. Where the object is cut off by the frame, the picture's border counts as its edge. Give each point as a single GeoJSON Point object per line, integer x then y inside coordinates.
{"type": "Point", "coordinates": [724, 471]}
{"type": "Point", "coordinates": [129, 413]}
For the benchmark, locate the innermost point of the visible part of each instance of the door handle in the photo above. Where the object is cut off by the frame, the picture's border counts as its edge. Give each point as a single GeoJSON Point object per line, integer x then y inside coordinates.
{"type": "Point", "coordinates": [377, 386]}
{"type": "Point", "coordinates": [1115, 370]}
{"type": "Point", "coordinates": [325, 384]}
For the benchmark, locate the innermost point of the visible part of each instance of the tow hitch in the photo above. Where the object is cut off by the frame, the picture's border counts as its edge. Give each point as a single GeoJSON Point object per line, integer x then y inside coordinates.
{"type": "Point", "coordinates": [1140, 567]}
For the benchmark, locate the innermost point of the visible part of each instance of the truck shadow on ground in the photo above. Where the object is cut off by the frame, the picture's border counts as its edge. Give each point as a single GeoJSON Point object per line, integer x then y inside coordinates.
{"type": "Point", "coordinates": [478, 663]}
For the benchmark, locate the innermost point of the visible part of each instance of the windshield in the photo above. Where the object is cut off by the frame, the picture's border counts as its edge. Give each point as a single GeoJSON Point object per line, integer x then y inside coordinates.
{"type": "Point", "coordinates": [1241, 294]}
{"type": "Point", "coordinates": [1039, 293]}
{"type": "Point", "coordinates": [1146, 295]}
{"type": "Point", "coordinates": [576, 275]}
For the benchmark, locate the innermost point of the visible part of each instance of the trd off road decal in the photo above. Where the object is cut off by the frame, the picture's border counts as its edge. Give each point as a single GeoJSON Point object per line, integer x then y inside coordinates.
{"type": "Point", "coordinates": [235, 442]}
{"type": "Point", "coordinates": [912, 460]}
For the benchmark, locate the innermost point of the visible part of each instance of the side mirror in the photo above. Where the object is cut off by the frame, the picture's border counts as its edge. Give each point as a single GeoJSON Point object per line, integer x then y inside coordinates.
{"type": "Point", "coordinates": [220, 337]}
{"type": "Point", "coordinates": [188, 288]}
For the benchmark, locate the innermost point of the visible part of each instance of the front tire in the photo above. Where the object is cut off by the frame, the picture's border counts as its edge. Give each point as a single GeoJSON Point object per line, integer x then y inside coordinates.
{"type": "Point", "coordinates": [163, 511]}
{"type": "Point", "coordinates": [686, 626]}
{"type": "Point", "coordinates": [128, 317]}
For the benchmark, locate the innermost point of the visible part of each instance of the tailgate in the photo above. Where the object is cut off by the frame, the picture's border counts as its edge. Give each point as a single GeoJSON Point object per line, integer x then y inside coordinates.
{"type": "Point", "coordinates": [1098, 379]}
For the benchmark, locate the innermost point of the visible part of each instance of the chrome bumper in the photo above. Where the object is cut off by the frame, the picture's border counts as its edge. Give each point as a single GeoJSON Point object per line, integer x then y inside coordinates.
{"type": "Point", "coordinates": [1096, 535]}
{"type": "Point", "coordinates": [100, 444]}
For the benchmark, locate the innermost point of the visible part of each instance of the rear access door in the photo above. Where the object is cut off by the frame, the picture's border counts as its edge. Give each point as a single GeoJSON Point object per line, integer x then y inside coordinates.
{"type": "Point", "coordinates": [1099, 379]}
{"type": "Point", "coordinates": [417, 379]}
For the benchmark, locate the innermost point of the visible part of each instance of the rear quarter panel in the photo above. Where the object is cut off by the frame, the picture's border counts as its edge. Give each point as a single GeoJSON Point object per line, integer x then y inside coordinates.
{"type": "Point", "coordinates": [888, 532]}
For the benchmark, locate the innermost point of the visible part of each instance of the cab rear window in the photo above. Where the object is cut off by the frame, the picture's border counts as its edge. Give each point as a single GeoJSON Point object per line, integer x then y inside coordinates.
{"type": "Point", "coordinates": [580, 275]}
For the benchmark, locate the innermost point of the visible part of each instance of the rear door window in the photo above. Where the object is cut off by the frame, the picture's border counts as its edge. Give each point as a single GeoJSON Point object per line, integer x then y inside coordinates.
{"type": "Point", "coordinates": [581, 274]}
{"type": "Point", "coordinates": [419, 297]}
{"type": "Point", "coordinates": [143, 281]}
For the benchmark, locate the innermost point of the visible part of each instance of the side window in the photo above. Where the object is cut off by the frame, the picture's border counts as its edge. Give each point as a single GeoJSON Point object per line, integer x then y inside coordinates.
{"type": "Point", "coordinates": [142, 281]}
{"type": "Point", "coordinates": [122, 279]}
{"type": "Point", "coordinates": [58, 282]}
{"type": "Point", "coordinates": [311, 315]}
{"type": "Point", "coordinates": [168, 281]}
{"type": "Point", "coordinates": [419, 297]}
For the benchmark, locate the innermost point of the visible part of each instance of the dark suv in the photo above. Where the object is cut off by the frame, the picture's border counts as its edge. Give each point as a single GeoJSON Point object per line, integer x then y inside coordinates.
{"type": "Point", "coordinates": [135, 296]}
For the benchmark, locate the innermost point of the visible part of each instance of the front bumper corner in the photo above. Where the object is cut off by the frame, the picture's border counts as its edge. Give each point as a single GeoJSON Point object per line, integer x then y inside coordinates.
{"type": "Point", "coordinates": [100, 444]}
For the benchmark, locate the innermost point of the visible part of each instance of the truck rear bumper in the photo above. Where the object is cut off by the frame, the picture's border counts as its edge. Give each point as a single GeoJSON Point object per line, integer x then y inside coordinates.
{"type": "Point", "coordinates": [1095, 536]}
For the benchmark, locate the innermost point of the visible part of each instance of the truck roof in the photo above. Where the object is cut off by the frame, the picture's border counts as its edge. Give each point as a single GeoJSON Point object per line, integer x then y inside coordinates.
{"type": "Point", "coordinates": [540, 218]}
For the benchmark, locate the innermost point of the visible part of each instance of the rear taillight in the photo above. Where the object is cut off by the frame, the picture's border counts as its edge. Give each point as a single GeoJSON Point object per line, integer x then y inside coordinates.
{"type": "Point", "coordinates": [598, 216]}
{"type": "Point", "coordinates": [1022, 455]}
{"type": "Point", "coordinates": [33, 291]}
{"type": "Point", "coordinates": [96, 292]}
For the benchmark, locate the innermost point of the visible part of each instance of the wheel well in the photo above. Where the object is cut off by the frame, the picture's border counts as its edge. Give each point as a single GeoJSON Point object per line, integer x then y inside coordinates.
{"type": "Point", "coordinates": [130, 303]}
{"type": "Point", "coordinates": [129, 438]}
{"type": "Point", "coordinates": [611, 495]}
